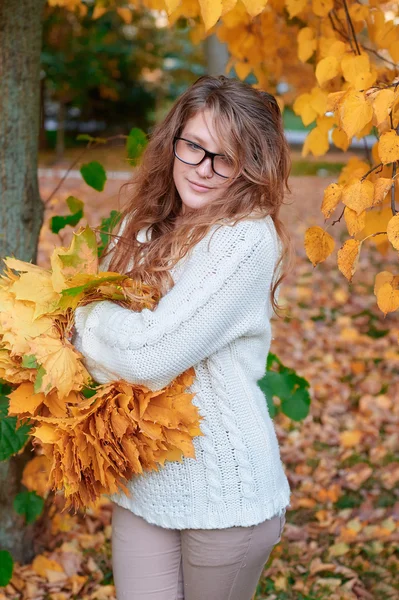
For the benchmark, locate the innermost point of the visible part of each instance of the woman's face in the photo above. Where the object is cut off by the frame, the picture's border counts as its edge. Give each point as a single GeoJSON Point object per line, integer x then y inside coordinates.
{"type": "Point", "coordinates": [199, 185]}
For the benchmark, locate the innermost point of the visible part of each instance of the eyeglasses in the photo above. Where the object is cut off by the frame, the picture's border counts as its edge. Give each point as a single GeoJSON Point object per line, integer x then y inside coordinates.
{"type": "Point", "coordinates": [193, 154]}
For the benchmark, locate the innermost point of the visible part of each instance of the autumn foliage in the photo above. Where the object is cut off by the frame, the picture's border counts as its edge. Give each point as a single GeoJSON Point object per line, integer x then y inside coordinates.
{"type": "Point", "coordinates": [95, 437]}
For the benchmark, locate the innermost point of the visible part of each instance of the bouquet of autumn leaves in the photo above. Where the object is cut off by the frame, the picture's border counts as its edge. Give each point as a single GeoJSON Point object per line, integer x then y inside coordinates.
{"type": "Point", "coordinates": [96, 436]}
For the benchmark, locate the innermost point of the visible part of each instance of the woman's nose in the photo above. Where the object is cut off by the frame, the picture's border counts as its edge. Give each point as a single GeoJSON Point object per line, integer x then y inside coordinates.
{"type": "Point", "coordinates": [205, 168]}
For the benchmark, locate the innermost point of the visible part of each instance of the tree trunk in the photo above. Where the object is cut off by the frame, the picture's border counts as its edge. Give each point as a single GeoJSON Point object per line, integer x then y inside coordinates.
{"type": "Point", "coordinates": [217, 56]}
{"type": "Point", "coordinates": [21, 209]}
{"type": "Point", "coordinates": [60, 144]}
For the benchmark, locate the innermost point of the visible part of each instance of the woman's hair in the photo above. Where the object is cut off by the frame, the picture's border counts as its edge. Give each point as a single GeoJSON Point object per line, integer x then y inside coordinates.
{"type": "Point", "coordinates": [250, 124]}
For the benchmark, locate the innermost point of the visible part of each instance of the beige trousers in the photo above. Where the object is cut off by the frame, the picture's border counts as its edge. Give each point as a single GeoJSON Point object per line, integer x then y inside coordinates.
{"type": "Point", "coordinates": [154, 563]}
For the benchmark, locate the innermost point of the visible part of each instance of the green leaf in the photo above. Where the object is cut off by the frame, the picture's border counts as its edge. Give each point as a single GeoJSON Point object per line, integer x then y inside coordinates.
{"type": "Point", "coordinates": [39, 378]}
{"type": "Point", "coordinates": [11, 438]}
{"type": "Point", "coordinates": [29, 361]}
{"type": "Point", "coordinates": [28, 504]}
{"type": "Point", "coordinates": [4, 403]}
{"type": "Point", "coordinates": [94, 175]}
{"type": "Point", "coordinates": [74, 204]}
{"type": "Point", "coordinates": [85, 137]}
{"type": "Point", "coordinates": [135, 144]}
{"type": "Point", "coordinates": [289, 387]}
{"type": "Point", "coordinates": [58, 222]}
{"type": "Point", "coordinates": [107, 225]}
{"type": "Point", "coordinates": [6, 567]}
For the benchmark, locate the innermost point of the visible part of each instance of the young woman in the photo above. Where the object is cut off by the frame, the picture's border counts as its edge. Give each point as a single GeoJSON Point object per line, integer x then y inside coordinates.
{"type": "Point", "coordinates": [202, 225]}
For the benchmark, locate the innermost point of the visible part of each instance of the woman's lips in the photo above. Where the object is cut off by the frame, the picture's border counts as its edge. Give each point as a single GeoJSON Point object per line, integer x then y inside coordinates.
{"type": "Point", "coordinates": [197, 187]}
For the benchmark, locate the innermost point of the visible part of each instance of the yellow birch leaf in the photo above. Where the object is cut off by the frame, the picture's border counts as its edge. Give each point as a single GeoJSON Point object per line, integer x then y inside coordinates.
{"type": "Point", "coordinates": [354, 222]}
{"type": "Point", "coordinates": [316, 142]}
{"type": "Point", "coordinates": [348, 258]}
{"type": "Point", "coordinates": [228, 5]}
{"type": "Point", "coordinates": [353, 65]}
{"type": "Point", "coordinates": [210, 11]}
{"type": "Point", "coordinates": [23, 400]}
{"type": "Point", "coordinates": [295, 7]}
{"type": "Point", "coordinates": [327, 69]}
{"type": "Point", "coordinates": [353, 168]}
{"type": "Point", "coordinates": [387, 298]}
{"type": "Point", "coordinates": [331, 199]}
{"type": "Point", "coordinates": [242, 69]}
{"type": "Point", "coordinates": [381, 278]}
{"type": "Point", "coordinates": [36, 473]}
{"type": "Point", "coordinates": [254, 7]}
{"type": "Point", "coordinates": [318, 244]}
{"type": "Point", "coordinates": [336, 48]}
{"type": "Point", "coordinates": [304, 109]}
{"type": "Point", "coordinates": [339, 549]}
{"type": "Point", "coordinates": [171, 5]}
{"type": "Point", "coordinates": [358, 195]}
{"type": "Point", "coordinates": [307, 43]}
{"type": "Point", "coordinates": [388, 147]}
{"type": "Point", "coordinates": [340, 139]}
{"type": "Point", "coordinates": [321, 8]}
{"type": "Point", "coordinates": [125, 14]}
{"type": "Point", "coordinates": [382, 103]}
{"type": "Point", "coordinates": [394, 51]}
{"type": "Point", "coordinates": [364, 80]}
{"type": "Point", "coordinates": [333, 100]}
{"type": "Point", "coordinates": [354, 113]}
{"type": "Point", "coordinates": [381, 188]}
{"type": "Point", "coordinates": [318, 100]}
{"type": "Point", "coordinates": [393, 231]}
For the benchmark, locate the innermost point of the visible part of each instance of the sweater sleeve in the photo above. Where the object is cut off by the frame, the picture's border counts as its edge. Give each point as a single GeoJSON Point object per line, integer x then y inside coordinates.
{"type": "Point", "coordinates": [221, 295]}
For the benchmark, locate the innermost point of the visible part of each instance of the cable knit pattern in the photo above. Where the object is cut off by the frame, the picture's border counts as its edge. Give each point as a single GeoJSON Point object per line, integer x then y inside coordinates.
{"type": "Point", "coordinates": [216, 318]}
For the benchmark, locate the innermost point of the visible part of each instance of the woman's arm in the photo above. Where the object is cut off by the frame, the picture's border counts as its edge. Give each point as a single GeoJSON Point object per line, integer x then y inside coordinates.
{"type": "Point", "coordinates": [220, 295]}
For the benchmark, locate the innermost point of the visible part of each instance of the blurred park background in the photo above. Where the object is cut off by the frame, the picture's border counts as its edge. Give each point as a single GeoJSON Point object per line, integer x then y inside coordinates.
{"type": "Point", "coordinates": [114, 68]}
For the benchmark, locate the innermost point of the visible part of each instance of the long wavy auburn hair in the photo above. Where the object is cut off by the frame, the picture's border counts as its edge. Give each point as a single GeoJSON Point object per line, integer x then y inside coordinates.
{"type": "Point", "coordinates": [249, 122]}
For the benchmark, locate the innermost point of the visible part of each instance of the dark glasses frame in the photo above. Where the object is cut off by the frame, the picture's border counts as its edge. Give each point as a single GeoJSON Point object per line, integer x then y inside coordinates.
{"type": "Point", "coordinates": [207, 154]}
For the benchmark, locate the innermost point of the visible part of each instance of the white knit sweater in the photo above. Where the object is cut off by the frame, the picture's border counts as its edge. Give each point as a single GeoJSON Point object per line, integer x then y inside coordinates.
{"type": "Point", "coordinates": [217, 319]}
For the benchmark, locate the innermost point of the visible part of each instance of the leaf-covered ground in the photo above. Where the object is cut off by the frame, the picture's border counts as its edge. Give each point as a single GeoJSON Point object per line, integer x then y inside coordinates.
{"type": "Point", "coordinates": [342, 461]}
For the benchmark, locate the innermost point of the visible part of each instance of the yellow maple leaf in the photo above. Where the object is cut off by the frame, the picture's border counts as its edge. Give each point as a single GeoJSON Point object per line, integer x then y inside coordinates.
{"type": "Point", "coordinates": [64, 370]}
{"type": "Point", "coordinates": [319, 244]}
{"type": "Point", "coordinates": [19, 327]}
{"type": "Point", "coordinates": [36, 474]}
{"type": "Point", "coordinates": [24, 400]}
{"type": "Point", "coordinates": [80, 257]}
{"type": "Point", "coordinates": [38, 289]}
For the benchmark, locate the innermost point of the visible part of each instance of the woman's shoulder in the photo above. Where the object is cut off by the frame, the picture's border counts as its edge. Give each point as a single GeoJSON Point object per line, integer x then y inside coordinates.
{"type": "Point", "coordinates": [242, 233]}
